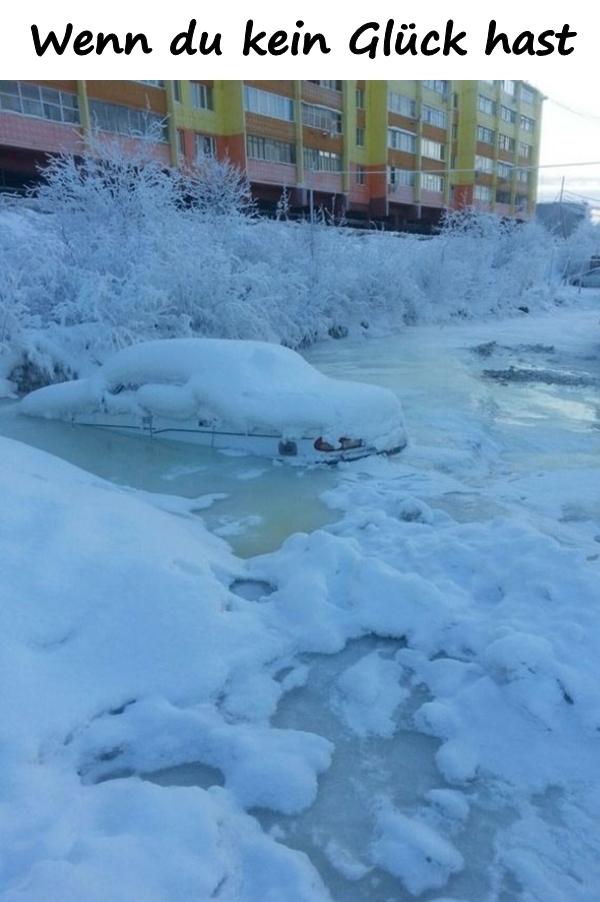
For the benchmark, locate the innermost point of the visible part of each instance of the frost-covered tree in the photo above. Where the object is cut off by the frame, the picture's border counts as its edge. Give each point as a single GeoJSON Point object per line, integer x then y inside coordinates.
{"type": "Point", "coordinates": [127, 249]}
{"type": "Point", "coordinates": [575, 253]}
{"type": "Point", "coordinates": [282, 211]}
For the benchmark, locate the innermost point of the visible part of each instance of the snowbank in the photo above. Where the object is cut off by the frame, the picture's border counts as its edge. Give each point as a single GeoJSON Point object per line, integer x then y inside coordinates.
{"type": "Point", "coordinates": [243, 384]}
{"type": "Point", "coordinates": [119, 635]}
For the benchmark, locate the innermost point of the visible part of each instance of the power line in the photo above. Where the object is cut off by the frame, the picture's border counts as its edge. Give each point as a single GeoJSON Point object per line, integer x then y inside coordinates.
{"type": "Point", "coordinates": [588, 197]}
{"type": "Point", "coordinates": [517, 167]}
{"type": "Point", "coordinates": [569, 109]}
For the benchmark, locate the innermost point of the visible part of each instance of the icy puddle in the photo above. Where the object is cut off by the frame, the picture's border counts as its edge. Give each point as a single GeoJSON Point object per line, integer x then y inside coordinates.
{"type": "Point", "coordinates": [509, 411]}
{"type": "Point", "coordinates": [263, 502]}
{"type": "Point", "coordinates": [476, 407]}
{"type": "Point", "coordinates": [390, 768]}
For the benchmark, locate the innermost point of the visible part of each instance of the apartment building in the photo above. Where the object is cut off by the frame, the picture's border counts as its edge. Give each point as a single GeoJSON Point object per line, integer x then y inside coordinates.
{"type": "Point", "coordinates": [498, 134]}
{"type": "Point", "coordinates": [398, 152]}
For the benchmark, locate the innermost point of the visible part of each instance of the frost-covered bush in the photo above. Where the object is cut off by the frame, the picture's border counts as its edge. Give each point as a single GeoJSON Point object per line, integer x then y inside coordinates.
{"type": "Point", "coordinates": [122, 249]}
{"type": "Point", "coordinates": [575, 252]}
{"type": "Point", "coordinates": [481, 264]}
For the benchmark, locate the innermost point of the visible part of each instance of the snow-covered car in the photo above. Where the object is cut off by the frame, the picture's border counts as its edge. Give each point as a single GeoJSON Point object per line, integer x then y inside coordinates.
{"type": "Point", "coordinates": [588, 279]}
{"type": "Point", "coordinates": [251, 396]}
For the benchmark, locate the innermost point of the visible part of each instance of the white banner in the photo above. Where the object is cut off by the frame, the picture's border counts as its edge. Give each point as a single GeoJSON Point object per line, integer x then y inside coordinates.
{"type": "Point", "coordinates": [379, 39]}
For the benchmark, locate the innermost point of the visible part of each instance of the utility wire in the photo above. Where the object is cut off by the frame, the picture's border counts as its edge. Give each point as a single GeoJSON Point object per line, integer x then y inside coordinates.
{"type": "Point", "coordinates": [577, 193]}
{"type": "Point", "coordinates": [516, 166]}
{"type": "Point", "coordinates": [594, 200]}
{"type": "Point", "coordinates": [569, 109]}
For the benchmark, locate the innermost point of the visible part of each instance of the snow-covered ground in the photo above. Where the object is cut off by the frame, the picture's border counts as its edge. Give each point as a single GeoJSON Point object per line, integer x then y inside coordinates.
{"type": "Point", "coordinates": [400, 700]}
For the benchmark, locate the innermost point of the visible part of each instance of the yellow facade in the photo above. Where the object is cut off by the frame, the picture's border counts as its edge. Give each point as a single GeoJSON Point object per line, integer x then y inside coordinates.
{"type": "Point", "coordinates": [398, 150]}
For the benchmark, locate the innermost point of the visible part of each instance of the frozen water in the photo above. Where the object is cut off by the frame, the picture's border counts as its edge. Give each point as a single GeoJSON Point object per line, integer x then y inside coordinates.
{"type": "Point", "coordinates": [260, 507]}
{"type": "Point", "coordinates": [456, 736]}
{"type": "Point", "coordinates": [503, 443]}
{"type": "Point", "coordinates": [369, 774]}
{"type": "Point", "coordinates": [252, 589]}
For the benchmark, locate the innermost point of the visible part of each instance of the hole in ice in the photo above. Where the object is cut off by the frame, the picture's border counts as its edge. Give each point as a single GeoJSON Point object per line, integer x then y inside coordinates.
{"type": "Point", "coordinates": [192, 773]}
{"type": "Point", "coordinates": [121, 708]}
{"type": "Point", "coordinates": [487, 348]}
{"type": "Point", "coordinates": [252, 589]}
{"type": "Point", "coordinates": [110, 754]}
{"type": "Point", "coordinates": [121, 774]}
{"type": "Point", "coordinates": [547, 377]}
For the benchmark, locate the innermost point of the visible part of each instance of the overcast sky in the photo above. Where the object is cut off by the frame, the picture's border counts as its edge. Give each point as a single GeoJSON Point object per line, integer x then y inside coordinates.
{"type": "Point", "coordinates": [570, 138]}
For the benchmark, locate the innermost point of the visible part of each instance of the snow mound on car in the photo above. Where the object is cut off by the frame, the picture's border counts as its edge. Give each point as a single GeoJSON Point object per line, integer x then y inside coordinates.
{"type": "Point", "coordinates": [246, 384]}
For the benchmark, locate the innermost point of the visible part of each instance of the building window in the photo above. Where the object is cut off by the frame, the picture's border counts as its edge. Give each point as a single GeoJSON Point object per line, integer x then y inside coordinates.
{"type": "Point", "coordinates": [486, 135]}
{"type": "Point", "coordinates": [527, 124]}
{"type": "Point", "coordinates": [332, 85]}
{"type": "Point", "coordinates": [202, 96]}
{"type": "Point", "coordinates": [503, 197]}
{"type": "Point", "coordinates": [360, 98]}
{"type": "Point", "coordinates": [508, 115]}
{"type": "Point", "coordinates": [404, 106]}
{"type": "Point", "coordinates": [181, 143]}
{"type": "Point", "coordinates": [523, 176]}
{"type": "Point", "coordinates": [206, 146]}
{"type": "Point", "coordinates": [397, 177]}
{"type": "Point", "coordinates": [323, 118]}
{"type": "Point", "coordinates": [361, 175]}
{"type": "Point", "coordinates": [483, 193]}
{"type": "Point", "coordinates": [124, 120]}
{"type": "Point", "coordinates": [509, 87]}
{"type": "Point", "coordinates": [177, 91]}
{"type": "Point", "coordinates": [153, 84]}
{"type": "Point", "coordinates": [433, 116]}
{"type": "Point", "coordinates": [527, 95]}
{"type": "Point", "coordinates": [322, 160]}
{"type": "Point", "coordinates": [34, 100]}
{"type": "Point", "coordinates": [504, 170]}
{"type": "Point", "coordinates": [265, 103]}
{"type": "Point", "coordinates": [432, 149]}
{"type": "Point", "coordinates": [268, 149]}
{"type": "Point", "coordinates": [360, 137]}
{"type": "Point", "coordinates": [505, 142]}
{"type": "Point", "coordinates": [432, 182]}
{"type": "Point", "coordinates": [486, 105]}
{"type": "Point", "coordinates": [484, 164]}
{"type": "Point", "coordinates": [440, 87]}
{"type": "Point", "coordinates": [521, 201]}
{"type": "Point", "coordinates": [525, 150]}
{"type": "Point", "coordinates": [400, 140]}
